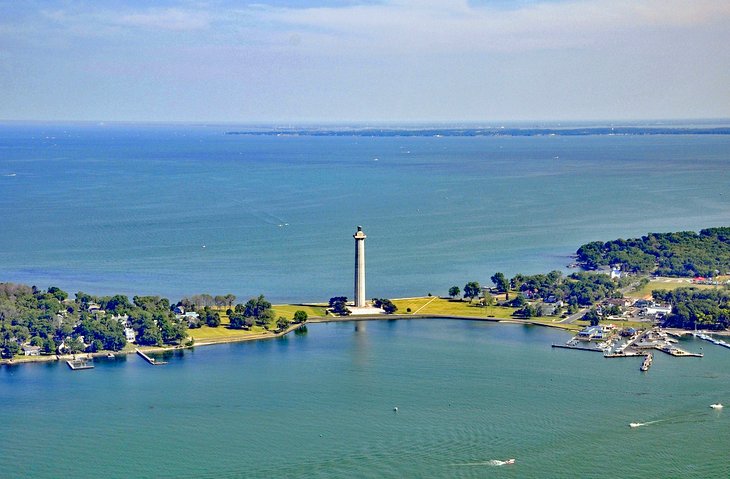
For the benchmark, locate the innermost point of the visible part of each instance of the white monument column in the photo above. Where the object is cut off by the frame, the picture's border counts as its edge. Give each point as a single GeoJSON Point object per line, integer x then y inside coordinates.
{"type": "Point", "coordinates": [359, 267]}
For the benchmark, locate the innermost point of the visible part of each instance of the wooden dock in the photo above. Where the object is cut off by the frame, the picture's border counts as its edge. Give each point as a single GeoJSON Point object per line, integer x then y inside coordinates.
{"type": "Point", "coordinates": [150, 360]}
{"type": "Point", "coordinates": [78, 364]}
{"type": "Point", "coordinates": [580, 348]}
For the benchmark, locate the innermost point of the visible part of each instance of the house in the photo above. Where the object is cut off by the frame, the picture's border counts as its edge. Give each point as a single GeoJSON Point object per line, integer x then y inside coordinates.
{"type": "Point", "coordinates": [591, 333]}
{"type": "Point", "coordinates": [615, 273]}
{"type": "Point", "coordinates": [30, 350]}
{"type": "Point", "coordinates": [179, 310]}
{"type": "Point", "coordinates": [658, 309]}
{"type": "Point", "coordinates": [93, 307]}
{"type": "Point", "coordinates": [123, 319]}
{"type": "Point", "coordinates": [620, 302]}
{"type": "Point", "coordinates": [130, 335]}
{"type": "Point", "coordinates": [192, 318]}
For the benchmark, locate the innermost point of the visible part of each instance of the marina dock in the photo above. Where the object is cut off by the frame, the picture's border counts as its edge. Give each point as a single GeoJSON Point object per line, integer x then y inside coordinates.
{"type": "Point", "coordinates": [580, 348]}
{"type": "Point", "coordinates": [150, 360]}
{"type": "Point", "coordinates": [77, 364]}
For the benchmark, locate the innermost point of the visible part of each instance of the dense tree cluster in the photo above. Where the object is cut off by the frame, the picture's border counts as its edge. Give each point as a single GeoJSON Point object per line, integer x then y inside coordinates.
{"type": "Point", "coordinates": [199, 301]}
{"type": "Point", "coordinates": [50, 320]}
{"type": "Point", "coordinates": [581, 289]}
{"type": "Point", "coordinates": [256, 311]}
{"type": "Point", "coordinates": [701, 308]}
{"type": "Point", "coordinates": [685, 253]}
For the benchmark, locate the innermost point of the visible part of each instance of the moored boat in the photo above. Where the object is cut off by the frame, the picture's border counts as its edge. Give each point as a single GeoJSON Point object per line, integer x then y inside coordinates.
{"type": "Point", "coordinates": [647, 362]}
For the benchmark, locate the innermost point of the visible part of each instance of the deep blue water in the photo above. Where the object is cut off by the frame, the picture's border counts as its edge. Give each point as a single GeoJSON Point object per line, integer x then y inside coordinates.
{"type": "Point", "coordinates": [126, 208]}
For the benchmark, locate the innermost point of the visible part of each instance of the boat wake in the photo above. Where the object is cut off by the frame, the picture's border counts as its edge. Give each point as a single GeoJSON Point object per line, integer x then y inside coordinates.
{"type": "Point", "coordinates": [640, 424]}
{"type": "Point", "coordinates": [493, 462]}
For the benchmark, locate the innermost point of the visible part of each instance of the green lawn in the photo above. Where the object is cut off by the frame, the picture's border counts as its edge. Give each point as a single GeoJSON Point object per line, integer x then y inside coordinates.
{"type": "Point", "coordinates": [672, 284]}
{"type": "Point", "coordinates": [434, 305]}
{"type": "Point", "coordinates": [288, 310]}
{"type": "Point", "coordinates": [223, 333]}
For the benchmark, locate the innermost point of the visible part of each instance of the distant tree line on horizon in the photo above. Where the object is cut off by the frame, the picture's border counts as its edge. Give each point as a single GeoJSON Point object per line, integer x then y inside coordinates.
{"type": "Point", "coordinates": [681, 254]}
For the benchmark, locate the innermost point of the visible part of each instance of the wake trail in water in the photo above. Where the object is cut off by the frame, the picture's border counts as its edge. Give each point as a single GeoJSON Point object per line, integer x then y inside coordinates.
{"type": "Point", "coordinates": [666, 419]}
{"type": "Point", "coordinates": [493, 462]}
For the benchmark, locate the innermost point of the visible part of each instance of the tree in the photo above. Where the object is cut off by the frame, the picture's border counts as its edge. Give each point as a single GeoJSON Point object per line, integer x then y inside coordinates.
{"type": "Point", "coordinates": [75, 345]}
{"type": "Point", "coordinates": [210, 317]}
{"type": "Point", "coordinates": [171, 330]}
{"type": "Point", "coordinates": [117, 304]}
{"type": "Point", "coordinates": [300, 316]}
{"type": "Point", "coordinates": [238, 321]}
{"type": "Point", "coordinates": [282, 323]}
{"type": "Point", "coordinates": [385, 304]}
{"type": "Point", "coordinates": [472, 290]}
{"type": "Point", "coordinates": [337, 299]}
{"type": "Point", "coordinates": [58, 293]}
{"type": "Point", "coordinates": [219, 300]}
{"type": "Point", "coordinates": [10, 349]}
{"type": "Point", "coordinates": [259, 309]}
{"type": "Point", "coordinates": [500, 282]}
{"type": "Point", "coordinates": [207, 299]}
{"type": "Point", "coordinates": [230, 299]}
{"type": "Point", "coordinates": [454, 291]}
{"type": "Point", "coordinates": [49, 346]}
{"type": "Point", "coordinates": [340, 308]}
{"type": "Point", "coordinates": [592, 316]}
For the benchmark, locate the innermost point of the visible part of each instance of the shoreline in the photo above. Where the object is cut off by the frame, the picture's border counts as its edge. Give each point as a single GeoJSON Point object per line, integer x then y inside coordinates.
{"type": "Point", "coordinates": [267, 336]}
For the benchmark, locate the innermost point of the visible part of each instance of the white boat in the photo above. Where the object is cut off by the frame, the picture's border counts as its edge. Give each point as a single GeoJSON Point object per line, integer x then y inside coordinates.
{"type": "Point", "coordinates": [509, 461]}
{"type": "Point", "coordinates": [716, 406]}
{"type": "Point", "coordinates": [636, 424]}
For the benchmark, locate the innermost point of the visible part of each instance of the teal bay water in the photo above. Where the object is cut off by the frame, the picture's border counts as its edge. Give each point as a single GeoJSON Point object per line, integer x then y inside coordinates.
{"type": "Point", "coordinates": [127, 208]}
{"type": "Point", "coordinates": [321, 405]}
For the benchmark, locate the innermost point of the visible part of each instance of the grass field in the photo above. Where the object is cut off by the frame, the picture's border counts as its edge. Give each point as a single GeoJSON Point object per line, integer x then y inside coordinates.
{"type": "Point", "coordinates": [288, 310]}
{"type": "Point", "coordinates": [666, 284]}
{"type": "Point", "coordinates": [224, 333]}
{"type": "Point", "coordinates": [434, 305]}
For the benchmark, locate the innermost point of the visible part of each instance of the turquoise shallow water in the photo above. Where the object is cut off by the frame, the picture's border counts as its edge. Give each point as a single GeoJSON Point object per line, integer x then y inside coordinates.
{"type": "Point", "coordinates": [321, 405]}
{"type": "Point", "coordinates": [125, 208]}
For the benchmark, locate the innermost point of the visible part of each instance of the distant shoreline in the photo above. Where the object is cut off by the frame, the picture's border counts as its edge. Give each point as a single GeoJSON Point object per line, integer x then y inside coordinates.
{"type": "Point", "coordinates": [486, 132]}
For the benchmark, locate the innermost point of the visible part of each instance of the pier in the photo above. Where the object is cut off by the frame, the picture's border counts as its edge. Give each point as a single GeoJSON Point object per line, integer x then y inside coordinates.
{"type": "Point", "coordinates": [150, 360]}
{"type": "Point", "coordinates": [580, 348]}
{"type": "Point", "coordinates": [77, 364]}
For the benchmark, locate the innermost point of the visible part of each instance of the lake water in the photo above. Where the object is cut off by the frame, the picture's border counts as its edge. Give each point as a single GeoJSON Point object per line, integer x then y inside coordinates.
{"type": "Point", "coordinates": [124, 208]}
{"type": "Point", "coordinates": [184, 209]}
{"type": "Point", "coordinates": [321, 405]}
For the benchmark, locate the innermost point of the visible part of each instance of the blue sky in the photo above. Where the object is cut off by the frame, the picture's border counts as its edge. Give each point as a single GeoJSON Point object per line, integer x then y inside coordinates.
{"type": "Point", "coordinates": [348, 60]}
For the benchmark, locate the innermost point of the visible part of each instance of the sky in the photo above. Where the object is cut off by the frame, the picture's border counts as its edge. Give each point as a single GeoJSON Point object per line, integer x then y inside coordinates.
{"type": "Point", "coordinates": [287, 61]}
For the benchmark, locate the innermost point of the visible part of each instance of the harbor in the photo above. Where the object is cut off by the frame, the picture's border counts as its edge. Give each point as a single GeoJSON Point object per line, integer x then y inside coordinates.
{"type": "Point", "coordinates": [630, 343]}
